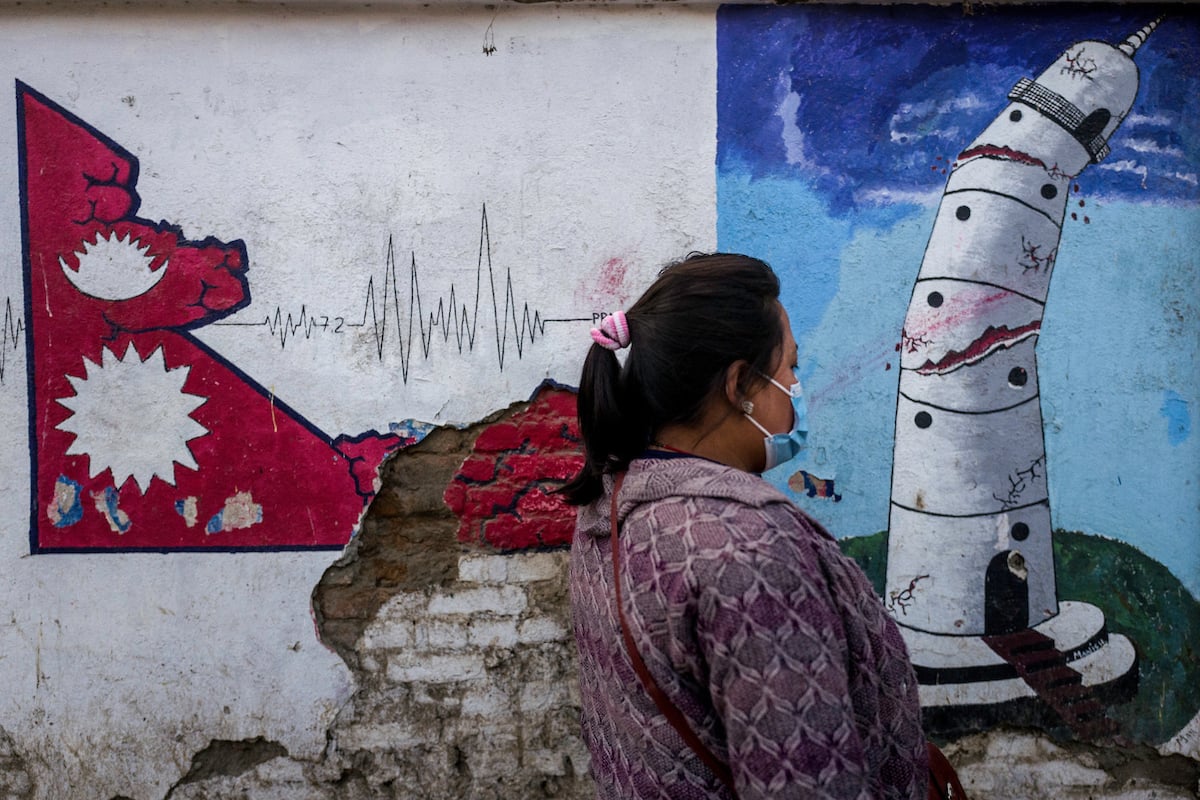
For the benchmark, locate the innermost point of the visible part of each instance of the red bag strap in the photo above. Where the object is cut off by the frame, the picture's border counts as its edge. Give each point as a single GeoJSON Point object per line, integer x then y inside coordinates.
{"type": "Point", "coordinates": [943, 780]}
{"type": "Point", "coordinates": [665, 706]}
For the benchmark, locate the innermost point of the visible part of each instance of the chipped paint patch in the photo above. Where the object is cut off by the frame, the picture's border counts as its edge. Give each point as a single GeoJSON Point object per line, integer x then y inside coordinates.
{"type": "Point", "coordinates": [814, 486]}
{"type": "Point", "coordinates": [106, 504]}
{"type": "Point", "coordinates": [186, 508]}
{"type": "Point", "coordinates": [1179, 418]}
{"type": "Point", "coordinates": [411, 430]}
{"type": "Point", "coordinates": [65, 509]}
{"type": "Point", "coordinates": [240, 511]}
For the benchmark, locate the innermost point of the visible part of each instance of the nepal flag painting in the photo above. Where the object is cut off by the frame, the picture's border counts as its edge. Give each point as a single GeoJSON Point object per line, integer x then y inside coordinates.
{"type": "Point", "coordinates": [141, 436]}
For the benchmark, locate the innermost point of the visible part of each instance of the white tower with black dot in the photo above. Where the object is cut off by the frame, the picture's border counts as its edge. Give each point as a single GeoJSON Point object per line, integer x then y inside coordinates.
{"type": "Point", "coordinates": [970, 551]}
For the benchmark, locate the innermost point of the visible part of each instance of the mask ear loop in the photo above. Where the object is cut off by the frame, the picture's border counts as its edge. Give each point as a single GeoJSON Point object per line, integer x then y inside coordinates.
{"type": "Point", "coordinates": [789, 392]}
{"type": "Point", "coordinates": [758, 425]}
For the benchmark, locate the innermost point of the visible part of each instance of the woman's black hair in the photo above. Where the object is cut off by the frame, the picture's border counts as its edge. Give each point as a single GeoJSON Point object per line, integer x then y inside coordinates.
{"type": "Point", "coordinates": [700, 316]}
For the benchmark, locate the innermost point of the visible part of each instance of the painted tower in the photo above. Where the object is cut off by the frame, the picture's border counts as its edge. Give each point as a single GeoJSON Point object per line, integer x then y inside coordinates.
{"type": "Point", "coordinates": [970, 555]}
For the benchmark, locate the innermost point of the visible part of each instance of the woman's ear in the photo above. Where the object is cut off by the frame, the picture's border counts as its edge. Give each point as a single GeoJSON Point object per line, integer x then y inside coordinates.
{"type": "Point", "coordinates": [735, 382]}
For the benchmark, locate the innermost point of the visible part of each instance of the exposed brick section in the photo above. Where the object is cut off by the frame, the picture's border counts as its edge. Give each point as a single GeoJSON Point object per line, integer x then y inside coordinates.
{"type": "Point", "coordinates": [468, 689]}
{"type": "Point", "coordinates": [463, 657]}
{"type": "Point", "coordinates": [502, 494]}
{"type": "Point", "coordinates": [406, 540]}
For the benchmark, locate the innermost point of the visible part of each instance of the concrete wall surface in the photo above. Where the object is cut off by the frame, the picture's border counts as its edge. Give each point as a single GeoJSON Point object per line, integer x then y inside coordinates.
{"type": "Point", "coordinates": [297, 295]}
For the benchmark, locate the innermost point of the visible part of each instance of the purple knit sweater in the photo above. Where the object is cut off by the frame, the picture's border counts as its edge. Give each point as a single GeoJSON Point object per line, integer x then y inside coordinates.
{"type": "Point", "coordinates": [769, 640]}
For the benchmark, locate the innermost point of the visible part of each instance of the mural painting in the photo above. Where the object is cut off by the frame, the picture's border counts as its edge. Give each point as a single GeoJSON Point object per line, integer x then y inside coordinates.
{"type": "Point", "coordinates": [141, 436]}
{"type": "Point", "coordinates": [969, 465]}
{"type": "Point", "coordinates": [1007, 619]}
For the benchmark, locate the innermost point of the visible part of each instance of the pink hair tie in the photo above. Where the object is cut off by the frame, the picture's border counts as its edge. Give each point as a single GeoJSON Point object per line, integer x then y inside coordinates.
{"type": "Point", "coordinates": [613, 333]}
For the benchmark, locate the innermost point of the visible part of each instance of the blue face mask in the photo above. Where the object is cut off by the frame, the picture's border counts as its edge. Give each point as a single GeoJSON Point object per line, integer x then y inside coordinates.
{"type": "Point", "coordinates": [783, 447]}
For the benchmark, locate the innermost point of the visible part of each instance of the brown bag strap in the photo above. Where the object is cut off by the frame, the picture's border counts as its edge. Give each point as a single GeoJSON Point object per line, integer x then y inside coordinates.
{"type": "Point", "coordinates": [665, 706]}
{"type": "Point", "coordinates": [943, 780]}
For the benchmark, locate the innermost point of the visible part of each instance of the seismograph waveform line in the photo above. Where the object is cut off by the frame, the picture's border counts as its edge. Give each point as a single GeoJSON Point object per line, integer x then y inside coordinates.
{"type": "Point", "coordinates": [451, 316]}
{"type": "Point", "coordinates": [516, 324]}
{"type": "Point", "coordinates": [10, 337]}
{"type": "Point", "coordinates": [284, 328]}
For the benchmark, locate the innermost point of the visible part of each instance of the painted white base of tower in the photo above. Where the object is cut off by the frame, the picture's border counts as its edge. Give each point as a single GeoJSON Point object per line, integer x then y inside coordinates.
{"type": "Point", "coordinates": [965, 671]}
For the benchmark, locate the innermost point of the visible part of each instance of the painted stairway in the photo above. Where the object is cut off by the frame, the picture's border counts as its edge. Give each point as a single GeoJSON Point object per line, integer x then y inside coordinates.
{"type": "Point", "coordinates": [1069, 668]}
{"type": "Point", "coordinates": [1046, 670]}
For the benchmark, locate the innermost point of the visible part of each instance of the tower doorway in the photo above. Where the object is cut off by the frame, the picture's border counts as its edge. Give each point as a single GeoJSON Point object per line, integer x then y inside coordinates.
{"type": "Point", "coordinates": [1006, 594]}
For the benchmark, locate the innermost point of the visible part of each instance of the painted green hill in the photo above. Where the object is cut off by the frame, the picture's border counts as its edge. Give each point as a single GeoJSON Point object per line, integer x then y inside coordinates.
{"type": "Point", "coordinates": [1140, 598]}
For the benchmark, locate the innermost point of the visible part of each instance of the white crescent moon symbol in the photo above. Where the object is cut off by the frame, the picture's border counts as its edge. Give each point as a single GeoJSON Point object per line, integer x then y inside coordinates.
{"type": "Point", "coordinates": [114, 269]}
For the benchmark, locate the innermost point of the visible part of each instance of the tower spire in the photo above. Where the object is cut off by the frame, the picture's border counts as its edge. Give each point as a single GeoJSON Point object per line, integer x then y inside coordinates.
{"type": "Point", "coordinates": [1135, 40]}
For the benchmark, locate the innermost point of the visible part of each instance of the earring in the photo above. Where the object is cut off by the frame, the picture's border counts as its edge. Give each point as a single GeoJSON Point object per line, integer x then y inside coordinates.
{"type": "Point", "coordinates": [747, 407]}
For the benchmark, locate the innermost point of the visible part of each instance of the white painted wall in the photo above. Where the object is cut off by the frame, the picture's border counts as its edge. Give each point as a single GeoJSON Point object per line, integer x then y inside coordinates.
{"type": "Point", "coordinates": [315, 136]}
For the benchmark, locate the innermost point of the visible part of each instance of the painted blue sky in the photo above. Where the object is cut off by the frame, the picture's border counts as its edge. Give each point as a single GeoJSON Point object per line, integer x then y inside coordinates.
{"type": "Point", "coordinates": [834, 126]}
{"type": "Point", "coordinates": [861, 100]}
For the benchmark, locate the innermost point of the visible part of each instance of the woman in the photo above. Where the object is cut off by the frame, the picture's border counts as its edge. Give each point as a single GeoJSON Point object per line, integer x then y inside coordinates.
{"type": "Point", "coordinates": [767, 648]}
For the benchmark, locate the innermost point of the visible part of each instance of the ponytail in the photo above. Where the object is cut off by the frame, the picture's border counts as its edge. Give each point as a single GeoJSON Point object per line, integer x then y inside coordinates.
{"type": "Point", "coordinates": [612, 437]}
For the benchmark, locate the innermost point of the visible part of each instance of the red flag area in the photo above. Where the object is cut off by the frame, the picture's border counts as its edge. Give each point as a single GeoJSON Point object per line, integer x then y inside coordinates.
{"type": "Point", "coordinates": [141, 436]}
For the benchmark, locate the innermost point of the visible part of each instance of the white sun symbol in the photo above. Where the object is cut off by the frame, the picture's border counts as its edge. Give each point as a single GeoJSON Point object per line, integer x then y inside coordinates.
{"type": "Point", "coordinates": [131, 416]}
{"type": "Point", "coordinates": [112, 268]}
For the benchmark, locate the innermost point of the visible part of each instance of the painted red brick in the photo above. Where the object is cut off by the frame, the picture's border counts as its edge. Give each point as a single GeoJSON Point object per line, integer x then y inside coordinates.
{"type": "Point", "coordinates": [503, 492]}
{"type": "Point", "coordinates": [455, 497]}
{"type": "Point", "coordinates": [478, 470]}
{"type": "Point", "coordinates": [499, 438]}
{"type": "Point", "coordinates": [515, 534]}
